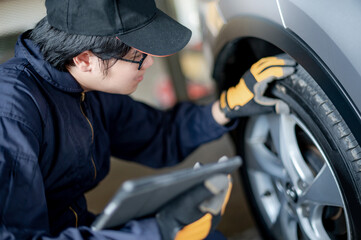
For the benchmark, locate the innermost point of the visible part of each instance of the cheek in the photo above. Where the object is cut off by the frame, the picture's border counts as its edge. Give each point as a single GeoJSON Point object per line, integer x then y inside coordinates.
{"type": "Point", "coordinates": [121, 80]}
{"type": "Point", "coordinates": [121, 77]}
{"type": "Point", "coordinates": [122, 70]}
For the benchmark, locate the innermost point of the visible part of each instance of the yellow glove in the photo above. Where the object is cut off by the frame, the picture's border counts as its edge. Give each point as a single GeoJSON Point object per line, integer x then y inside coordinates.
{"type": "Point", "coordinates": [241, 100]}
{"type": "Point", "coordinates": [197, 212]}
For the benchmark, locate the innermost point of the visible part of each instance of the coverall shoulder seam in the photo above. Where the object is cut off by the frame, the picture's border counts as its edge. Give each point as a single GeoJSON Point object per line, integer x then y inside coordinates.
{"type": "Point", "coordinates": [18, 155]}
{"type": "Point", "coordinates": [22, 73]}
{"type": "Point", "coordinates": [22, 121]}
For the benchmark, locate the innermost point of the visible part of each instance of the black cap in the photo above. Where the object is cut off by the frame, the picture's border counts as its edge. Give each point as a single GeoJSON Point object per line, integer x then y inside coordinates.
{"type": "Point", "coordinates": [138, 23]}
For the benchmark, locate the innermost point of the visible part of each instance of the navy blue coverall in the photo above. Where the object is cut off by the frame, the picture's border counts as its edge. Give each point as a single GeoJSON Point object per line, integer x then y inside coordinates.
{"type": "Point", "coordinates": [55, 146]}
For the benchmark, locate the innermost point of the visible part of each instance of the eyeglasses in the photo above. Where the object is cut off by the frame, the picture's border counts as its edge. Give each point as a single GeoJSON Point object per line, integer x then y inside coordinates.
{"type": "Point", "coordinates": [138, 62]}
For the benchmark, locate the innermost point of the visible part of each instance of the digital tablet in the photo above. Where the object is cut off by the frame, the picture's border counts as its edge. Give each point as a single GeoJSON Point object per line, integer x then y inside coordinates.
{"type": "Point", "coordinates": [144, 196]}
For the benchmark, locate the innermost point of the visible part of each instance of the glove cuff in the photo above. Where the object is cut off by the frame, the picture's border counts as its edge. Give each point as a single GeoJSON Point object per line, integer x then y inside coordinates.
{"type": "Point", "coordinates": [223, 105]}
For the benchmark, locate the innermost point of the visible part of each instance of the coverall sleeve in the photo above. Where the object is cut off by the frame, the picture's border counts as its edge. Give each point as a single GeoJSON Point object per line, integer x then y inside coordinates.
{"type": "Point", "coordinates": [23, 207]}
{"type": "Point", "coordinates": [157, 138]}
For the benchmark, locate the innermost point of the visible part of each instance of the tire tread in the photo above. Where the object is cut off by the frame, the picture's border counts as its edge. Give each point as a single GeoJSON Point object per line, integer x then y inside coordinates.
{"type": "Point", "coordinates": [304, 85]}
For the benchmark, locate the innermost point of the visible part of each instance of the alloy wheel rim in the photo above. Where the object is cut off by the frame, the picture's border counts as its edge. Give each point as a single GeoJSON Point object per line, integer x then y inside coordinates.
{"type": "Point", "coordinates": [291, 180]}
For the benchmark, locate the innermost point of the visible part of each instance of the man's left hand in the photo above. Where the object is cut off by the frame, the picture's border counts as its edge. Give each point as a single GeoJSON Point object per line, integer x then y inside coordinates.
{"type": "Point", "coordinates": [247, 97]}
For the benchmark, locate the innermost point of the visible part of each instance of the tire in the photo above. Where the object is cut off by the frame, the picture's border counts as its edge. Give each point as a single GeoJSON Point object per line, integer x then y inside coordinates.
{"type": "Point", "coordinates": [301, 171]}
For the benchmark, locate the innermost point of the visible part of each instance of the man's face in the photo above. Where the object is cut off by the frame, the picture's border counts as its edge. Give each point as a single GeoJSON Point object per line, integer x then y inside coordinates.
{"type": "Point", "coordinates": [121, 78]}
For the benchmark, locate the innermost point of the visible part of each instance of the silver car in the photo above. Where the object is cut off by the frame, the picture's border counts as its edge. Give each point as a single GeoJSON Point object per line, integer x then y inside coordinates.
{"type": "Point", "coordinates": [302, 171]}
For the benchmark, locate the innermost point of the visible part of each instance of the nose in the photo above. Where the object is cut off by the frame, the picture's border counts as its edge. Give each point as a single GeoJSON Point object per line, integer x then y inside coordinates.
{"type": "Point", "coordinates": [148, 62]}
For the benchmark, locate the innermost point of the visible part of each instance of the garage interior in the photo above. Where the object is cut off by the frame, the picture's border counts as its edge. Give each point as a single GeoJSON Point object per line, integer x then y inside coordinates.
{"type": "Point", "coordinates": [177, 78]}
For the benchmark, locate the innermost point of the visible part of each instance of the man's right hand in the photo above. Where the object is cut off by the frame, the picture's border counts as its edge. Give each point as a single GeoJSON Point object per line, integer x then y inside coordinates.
{"type": "Point", "coordinates": [197, 212]}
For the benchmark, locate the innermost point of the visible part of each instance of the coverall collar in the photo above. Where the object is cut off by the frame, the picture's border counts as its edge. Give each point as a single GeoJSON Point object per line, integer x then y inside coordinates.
{"type": "Point", "coordinates": [64, 80]}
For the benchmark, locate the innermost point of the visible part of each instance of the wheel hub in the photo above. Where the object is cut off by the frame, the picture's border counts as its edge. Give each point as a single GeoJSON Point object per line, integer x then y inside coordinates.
{"type": "Point", "coordinates": [291, 193]}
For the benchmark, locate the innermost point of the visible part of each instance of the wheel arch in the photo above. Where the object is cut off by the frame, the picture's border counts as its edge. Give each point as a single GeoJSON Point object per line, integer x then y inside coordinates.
{"type": "Point", "coordinates": [244, 40]}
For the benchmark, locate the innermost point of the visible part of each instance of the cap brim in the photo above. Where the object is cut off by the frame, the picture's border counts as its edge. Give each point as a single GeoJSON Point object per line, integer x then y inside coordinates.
{"type": "Point", "coordinates": [163, 36]}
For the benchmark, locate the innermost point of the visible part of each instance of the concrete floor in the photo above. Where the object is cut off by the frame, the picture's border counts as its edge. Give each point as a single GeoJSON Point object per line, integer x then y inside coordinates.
{"type": "Point", "coordinates": [237, 223]}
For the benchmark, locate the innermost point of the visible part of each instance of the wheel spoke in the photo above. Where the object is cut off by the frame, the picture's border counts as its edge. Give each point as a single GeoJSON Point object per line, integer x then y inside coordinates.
{"type": "Point", "coordinates": [323, 190]}
{"type": "Point", "coordinates": [274, 122]}
{"type": "Point", "coordinates": [285, 225]}
{"type": "Point", "coordinates": [310, 220]}
{"type": "Point", "coordinates": [290, 153]}
{"type": "Point", "coordinates": [263, 160]}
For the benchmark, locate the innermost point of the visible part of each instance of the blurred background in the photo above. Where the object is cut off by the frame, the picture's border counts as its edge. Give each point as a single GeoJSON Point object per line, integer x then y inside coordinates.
{"type": "Point", "coordinates": [181, 77]}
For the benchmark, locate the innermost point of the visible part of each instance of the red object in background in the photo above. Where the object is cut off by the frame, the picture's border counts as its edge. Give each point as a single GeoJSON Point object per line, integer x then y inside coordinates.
{"type": "Point", "coordinates": [166, 97]}
{"type": "Point", "coordinates": [197, 91]}
{"type": "Point", "coordinates": [165, 94]}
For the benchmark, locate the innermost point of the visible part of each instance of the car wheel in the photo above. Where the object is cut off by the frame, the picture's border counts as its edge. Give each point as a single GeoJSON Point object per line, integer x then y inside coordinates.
{"type": "Point", "coordinates": [301, 170]}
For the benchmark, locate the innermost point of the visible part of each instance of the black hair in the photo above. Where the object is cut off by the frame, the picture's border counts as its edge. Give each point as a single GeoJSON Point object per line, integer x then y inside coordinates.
{"type": "Point", "coordinates": [59, 48]}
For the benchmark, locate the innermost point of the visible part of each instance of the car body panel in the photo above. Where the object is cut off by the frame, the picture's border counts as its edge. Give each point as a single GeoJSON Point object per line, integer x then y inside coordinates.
{"type": "Point", "coordinates": [334, 39]}
{"type": "Point", "coordinates": [233, 9]}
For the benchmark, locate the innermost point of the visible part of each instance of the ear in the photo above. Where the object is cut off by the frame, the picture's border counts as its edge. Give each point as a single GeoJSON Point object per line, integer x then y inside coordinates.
{"type": "Point", "coordinates": [84, 61]}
